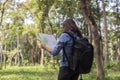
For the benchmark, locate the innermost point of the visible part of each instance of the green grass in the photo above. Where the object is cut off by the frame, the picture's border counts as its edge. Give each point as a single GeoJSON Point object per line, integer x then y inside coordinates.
{"type": "Point", "coordinates": [42, 73]}
{"type": "Point", "coordinates": [28, 73]}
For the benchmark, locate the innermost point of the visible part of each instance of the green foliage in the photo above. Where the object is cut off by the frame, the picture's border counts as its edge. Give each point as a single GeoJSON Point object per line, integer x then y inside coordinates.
{"type": "Point", "coordinates": [113, 71]}
{"type": "Point", "coordinates": [13, 51]}
{"type": "Point", "coordinates": [113, 66]}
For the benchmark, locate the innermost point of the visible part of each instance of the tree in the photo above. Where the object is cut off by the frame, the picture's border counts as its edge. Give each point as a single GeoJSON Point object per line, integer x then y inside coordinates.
{"type": "Point", "coordinates": [3, 11]}
{"type": "Point", "coordinates": [105, 33]}
{"type": "Point", "coordinates": [3, 53]}
{"type": "Point", "coordinates": [118, 29]}
{"type": "Point", "coordinates": [85, 6]}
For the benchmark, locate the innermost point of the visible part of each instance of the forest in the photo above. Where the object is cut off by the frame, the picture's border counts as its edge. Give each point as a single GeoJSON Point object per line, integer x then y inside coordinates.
{"type": "Point", "coordinates": [21, 21]}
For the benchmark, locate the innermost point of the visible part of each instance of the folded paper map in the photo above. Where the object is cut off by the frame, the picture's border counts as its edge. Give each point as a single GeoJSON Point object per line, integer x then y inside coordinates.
{"type": "Point", "coordinates": [47, 39]}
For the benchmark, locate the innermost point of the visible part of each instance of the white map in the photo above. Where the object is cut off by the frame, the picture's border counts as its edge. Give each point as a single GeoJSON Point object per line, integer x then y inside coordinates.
{"type": "Point", "coordinates": [47, 39]}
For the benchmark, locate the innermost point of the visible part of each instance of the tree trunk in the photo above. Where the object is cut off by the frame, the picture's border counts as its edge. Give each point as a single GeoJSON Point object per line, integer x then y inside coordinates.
{"type": "Point", "coordinates": [99, 27]}
{"type": "Point", "coordinates": [32, 57]}
{"type": "Point", "coordinates": [42, 56]}
{"type": "Point", "coordinates": [118, 56]}
{"type": "Point", "coordinates": [1, 51]}
{"type": "Point", "coordinates": [85, 6]}
{"type": "Point", "coordinates": [90, 34]}
{"type": "Point", "coordinates": [22, 59]}
{"type": "Point", "coordinates": [18, 55]}
{"type": "Point", "coordinates": [4, 60]}
{"type": "Point", "coordinates": [105, 34]}
{"type": "Point", "coordinates": [4, 56]}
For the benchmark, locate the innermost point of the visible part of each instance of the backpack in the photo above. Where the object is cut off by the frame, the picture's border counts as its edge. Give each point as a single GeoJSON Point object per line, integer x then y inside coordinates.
{"type": "Point", "coordinates": [82, 55]}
